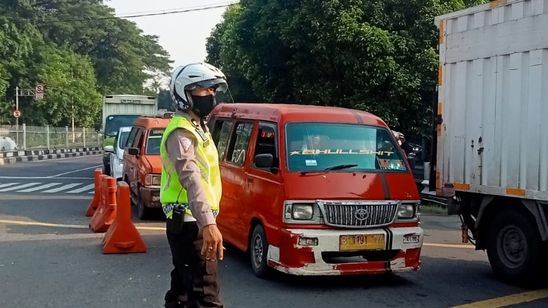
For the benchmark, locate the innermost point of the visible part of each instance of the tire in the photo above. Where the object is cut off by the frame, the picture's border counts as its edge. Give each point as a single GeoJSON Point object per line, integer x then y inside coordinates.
{"type": "Point", "coordinates": [514, 247]}
{"type": "Point", "coordinates": [106, 168]}
{"type": "Point", "coordinates": [143, 212]}
{"type": "Point", "coordinates": [258, 252]}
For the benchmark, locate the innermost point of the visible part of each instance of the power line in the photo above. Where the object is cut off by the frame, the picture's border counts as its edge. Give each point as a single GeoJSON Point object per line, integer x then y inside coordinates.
{"type": "Point", "coordinates": [157, 13]}
{"type": "Point", "coordinates": [178, 11]}
{"type": "Point", "coordinates": [183, 8]}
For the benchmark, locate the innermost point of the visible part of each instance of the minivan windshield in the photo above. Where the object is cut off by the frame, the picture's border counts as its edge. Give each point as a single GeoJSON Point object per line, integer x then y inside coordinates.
{"type": "Point", "coordinates": [341, 147]}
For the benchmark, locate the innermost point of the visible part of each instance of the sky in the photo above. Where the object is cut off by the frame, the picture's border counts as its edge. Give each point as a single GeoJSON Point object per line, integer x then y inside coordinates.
{"type": "Point", "coordinates": [183, 35]}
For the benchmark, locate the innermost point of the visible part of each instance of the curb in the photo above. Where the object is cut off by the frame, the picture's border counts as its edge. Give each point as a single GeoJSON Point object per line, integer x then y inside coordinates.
{"type": "Point", "coordinates": [34, 155]}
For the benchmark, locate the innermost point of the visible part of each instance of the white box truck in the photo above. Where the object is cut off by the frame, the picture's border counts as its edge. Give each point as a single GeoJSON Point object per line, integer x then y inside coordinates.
{"type": "Point", "coordinates": [122, 110]}
{"type": "Point", "coordinates": [492, 131]}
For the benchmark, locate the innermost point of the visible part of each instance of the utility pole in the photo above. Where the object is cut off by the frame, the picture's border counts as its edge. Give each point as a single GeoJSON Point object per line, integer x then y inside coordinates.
{"type": "Point", "coordinates": [72, 119]}
{"type": "Point", "coordinates": [17, 118]}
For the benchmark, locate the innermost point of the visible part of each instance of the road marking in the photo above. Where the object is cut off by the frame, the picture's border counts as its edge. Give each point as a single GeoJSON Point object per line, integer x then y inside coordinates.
{"type": "Point", "coordinates": [513, 299]}
{"type": "Point", "coordinates": [64, 187]}
{"type": "Point", "coordinates": [77, 170]}
{"type": "Point", "coordinates": [461, 246]}
{"type": "Point", "coordinates": [7, 184]}
{"type": "Point", "coordinates": [79, 190]}
{"type": "Point", "coordinates": [19, 187]}
{"type": "Point", "coordinates": [40, 224]}
{"type": "Point", "coordinates": [39, 187]}
{"type": "Point", "coordinates": [63, 158]}
{"type": "Point", "coordinates": [43, 224]}
{"type": "Point", "coordinates": [42, 178]}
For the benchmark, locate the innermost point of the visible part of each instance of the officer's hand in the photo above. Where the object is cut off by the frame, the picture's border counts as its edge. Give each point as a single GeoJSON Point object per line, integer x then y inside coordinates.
{"type": "Point", "coordinates": [212, 247]}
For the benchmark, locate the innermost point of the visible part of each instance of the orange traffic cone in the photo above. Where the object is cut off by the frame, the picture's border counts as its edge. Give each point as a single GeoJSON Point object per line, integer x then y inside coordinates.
{"type": "Point", "coordinates": [122, 236]}
{"type": "Point", "coordinates": [97, 195]}
{"type": "Point", "coordinates": [106, 212]}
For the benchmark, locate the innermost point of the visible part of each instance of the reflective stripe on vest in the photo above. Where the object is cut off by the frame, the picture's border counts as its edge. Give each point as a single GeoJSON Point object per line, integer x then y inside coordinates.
{"type": "Point", "coordinates": [171, 190]}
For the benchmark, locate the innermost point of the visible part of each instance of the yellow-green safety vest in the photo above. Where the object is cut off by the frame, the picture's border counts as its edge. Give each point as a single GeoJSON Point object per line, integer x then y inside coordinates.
{"type": "Point", "coordinates": [171, 190]}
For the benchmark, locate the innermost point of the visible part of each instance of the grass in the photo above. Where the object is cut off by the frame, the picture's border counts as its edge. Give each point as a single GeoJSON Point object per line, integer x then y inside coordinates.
{"type": "Point", "coordinates": [433, 208]}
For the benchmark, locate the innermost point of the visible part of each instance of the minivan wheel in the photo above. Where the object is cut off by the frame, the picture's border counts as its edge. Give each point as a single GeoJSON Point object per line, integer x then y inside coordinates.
{"type": "Point", "coordinates": [258, 252]}
{"type": "Point", "coordinates": [142, 210]}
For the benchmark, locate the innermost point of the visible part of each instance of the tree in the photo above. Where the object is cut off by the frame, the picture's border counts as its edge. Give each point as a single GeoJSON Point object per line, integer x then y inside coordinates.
{"type": "Point", "coordinates": [374, 55]}
{"type": "Point", "coordinates": [70, 89]}
{"type": "Point", "coordinates": [78, 49]}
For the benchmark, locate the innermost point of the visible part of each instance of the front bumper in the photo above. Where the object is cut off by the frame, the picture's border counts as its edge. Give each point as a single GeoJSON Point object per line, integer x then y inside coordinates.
{"type": "Point", "coordinates": [151, 196]}
{"type": "Point", "coordinates": [327, 259]}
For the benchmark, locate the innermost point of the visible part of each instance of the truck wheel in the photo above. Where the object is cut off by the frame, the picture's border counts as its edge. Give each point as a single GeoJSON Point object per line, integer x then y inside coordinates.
{"type": "Point", "coordinates": [514, 248]}
{"type": "Point", "coordinates": [258, 251]}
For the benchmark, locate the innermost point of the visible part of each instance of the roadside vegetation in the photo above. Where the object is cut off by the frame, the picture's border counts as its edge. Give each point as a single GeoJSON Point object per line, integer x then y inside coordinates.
{"type": "Point", "coordinates": [80, 51]}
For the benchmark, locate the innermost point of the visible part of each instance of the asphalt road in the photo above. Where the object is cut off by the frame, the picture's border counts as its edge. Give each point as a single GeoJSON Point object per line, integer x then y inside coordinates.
{"type": "Point", "coordinates": [49, 258]}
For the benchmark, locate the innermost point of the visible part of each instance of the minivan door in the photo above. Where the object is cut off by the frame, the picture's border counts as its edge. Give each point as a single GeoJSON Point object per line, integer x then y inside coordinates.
{"type": "Point", "coordinates": [232, 157]}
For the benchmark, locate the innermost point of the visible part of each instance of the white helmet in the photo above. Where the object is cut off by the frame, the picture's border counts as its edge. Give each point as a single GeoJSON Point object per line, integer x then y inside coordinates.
{"type": "Point", "coordinates": [186, 78]}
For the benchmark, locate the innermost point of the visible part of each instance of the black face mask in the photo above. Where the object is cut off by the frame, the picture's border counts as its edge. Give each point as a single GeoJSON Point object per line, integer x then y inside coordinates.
{"type": "Point", "coordinates": [203, 104]}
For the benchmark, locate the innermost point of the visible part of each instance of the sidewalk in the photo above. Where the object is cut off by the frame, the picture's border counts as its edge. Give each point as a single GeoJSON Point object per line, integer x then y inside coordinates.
{"type": "Point", "coordinates": [32, 155]}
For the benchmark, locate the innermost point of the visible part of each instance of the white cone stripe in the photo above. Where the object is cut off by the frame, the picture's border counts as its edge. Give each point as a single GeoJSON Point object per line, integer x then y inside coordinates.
{"type": "Point", "coordinates": [79, 190]}
{"type": "Point", "coordinates": [39, 187]}
{"type": "Point", "coordinates": [7, 184]}
{"type": "Point", "coordinates": [64, 187]}
{"type": "Point", "coordinates": [19, 187]}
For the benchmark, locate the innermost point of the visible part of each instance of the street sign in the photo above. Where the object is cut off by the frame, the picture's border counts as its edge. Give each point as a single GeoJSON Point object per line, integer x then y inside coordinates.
{"type": "Point", "coordinates": [39, 91]}
{"type": "Point", "coordinates": [16, 113]}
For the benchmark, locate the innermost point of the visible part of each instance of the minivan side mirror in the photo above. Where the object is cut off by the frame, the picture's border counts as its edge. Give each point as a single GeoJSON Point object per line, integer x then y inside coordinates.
{"type": "Point", "coordinates": [264, 160]}
{"type": "Point", "coordinates": [109, 148]}
{"type": "Point", "coordinates": [133, 151]}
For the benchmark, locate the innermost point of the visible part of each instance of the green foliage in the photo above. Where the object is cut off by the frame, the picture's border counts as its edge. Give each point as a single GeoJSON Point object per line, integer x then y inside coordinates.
{"type": "Point", "coordinates": [80, 51]}
{"type": "Point", "coordinates": [71, 89]}
{"type": "Point", "coordinates": [374, 55]}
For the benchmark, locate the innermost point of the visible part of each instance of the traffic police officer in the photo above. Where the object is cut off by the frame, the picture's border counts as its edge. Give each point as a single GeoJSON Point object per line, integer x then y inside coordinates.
{"type": "Point", "coordinates": [191, 188]}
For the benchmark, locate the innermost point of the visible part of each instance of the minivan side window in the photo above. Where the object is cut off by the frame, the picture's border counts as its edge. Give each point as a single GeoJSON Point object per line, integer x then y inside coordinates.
{"type": "Point", "coordinates": [238, 143]}
{"type": "Point", "coordinates": [131, 137]}
{"type": "Point", "coordinates": [266, 142]}
{"type": "Point", "coordinates": [221, 136]}
{"type": "Point", "coordinates": [138, 137]}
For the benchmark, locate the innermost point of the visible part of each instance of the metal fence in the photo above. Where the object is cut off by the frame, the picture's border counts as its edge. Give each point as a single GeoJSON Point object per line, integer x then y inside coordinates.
{"type": "Point", "coordinates": [46, 137]}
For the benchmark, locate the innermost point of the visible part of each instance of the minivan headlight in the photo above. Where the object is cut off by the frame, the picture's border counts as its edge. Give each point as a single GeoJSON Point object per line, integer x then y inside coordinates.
{"type": "Point", "coordinates": [152, 180]}
{"type": "Point", "coordinates": [406, 211]}
{"type": "Point", "coordinates": [302, 211]}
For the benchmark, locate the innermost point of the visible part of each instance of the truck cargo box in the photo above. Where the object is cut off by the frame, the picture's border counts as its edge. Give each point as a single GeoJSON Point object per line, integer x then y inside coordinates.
{"type": "Point", "coordinates": [493, 100]}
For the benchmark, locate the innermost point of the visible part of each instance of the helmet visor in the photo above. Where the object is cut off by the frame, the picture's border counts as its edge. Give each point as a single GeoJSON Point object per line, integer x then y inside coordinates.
{"type": "Point", "coordinates": [219, 84]}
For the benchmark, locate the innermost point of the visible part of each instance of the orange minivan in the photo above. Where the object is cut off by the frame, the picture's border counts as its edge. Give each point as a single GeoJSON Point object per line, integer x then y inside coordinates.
{"type": "Point", "coordinates": [142, 164]}
{"type": "Point", "coordinates": [311, 190]}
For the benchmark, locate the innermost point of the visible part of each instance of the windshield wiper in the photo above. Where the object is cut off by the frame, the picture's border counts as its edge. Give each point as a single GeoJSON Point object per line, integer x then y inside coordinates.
{"type": "Point", "coordinates": [340, 167]}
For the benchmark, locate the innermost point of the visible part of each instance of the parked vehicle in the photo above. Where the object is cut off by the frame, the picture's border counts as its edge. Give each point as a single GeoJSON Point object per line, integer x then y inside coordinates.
{"type": "Point", "coordinates": [116, 152]}
{"type": "Point", "coordinates": [142, 164]}
{"type": "Point", "coordinates": [492, 133]}
{"type": "Point", "coordinates": [311, 190]}
{"type": "Point", "coordinates": [122, 110]}
{"type": "Point", "coordinates": [7, 144]}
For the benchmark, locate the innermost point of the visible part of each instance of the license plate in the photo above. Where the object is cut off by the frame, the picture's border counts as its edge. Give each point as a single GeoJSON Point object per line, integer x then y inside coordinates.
{"type": "Point", "coordinates": [361, 242]}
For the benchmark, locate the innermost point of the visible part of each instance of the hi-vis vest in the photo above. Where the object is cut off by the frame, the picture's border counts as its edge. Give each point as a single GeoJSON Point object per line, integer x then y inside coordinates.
{"type": "Point", "coordinates": [171, 190]}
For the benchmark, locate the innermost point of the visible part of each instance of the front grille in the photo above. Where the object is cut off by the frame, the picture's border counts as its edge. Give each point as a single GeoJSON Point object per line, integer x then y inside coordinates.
{"type": "Point", "coordinates": [358, 215]}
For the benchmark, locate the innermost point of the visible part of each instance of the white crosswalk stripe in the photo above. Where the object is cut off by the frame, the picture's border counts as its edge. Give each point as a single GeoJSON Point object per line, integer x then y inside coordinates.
{"type": "Point", "coordinates": [64, 187]}
{"type": "Point", "coordinates": [48, 188]}
{"type": "Point", "coordinates": [7, 184]}
{"type": "Point", "coordinates": [79, 190]}
{"type": "Point", "coordinates": [18, 187]}
{"type": "Point", "coordinates": [38, 187]}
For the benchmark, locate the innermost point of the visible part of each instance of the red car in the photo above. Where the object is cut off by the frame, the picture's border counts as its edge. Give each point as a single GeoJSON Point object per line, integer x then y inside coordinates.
{"type": "Point", "coordinates": [142, 163]}
{"type": "Point", "coordinates": [311, 190]}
